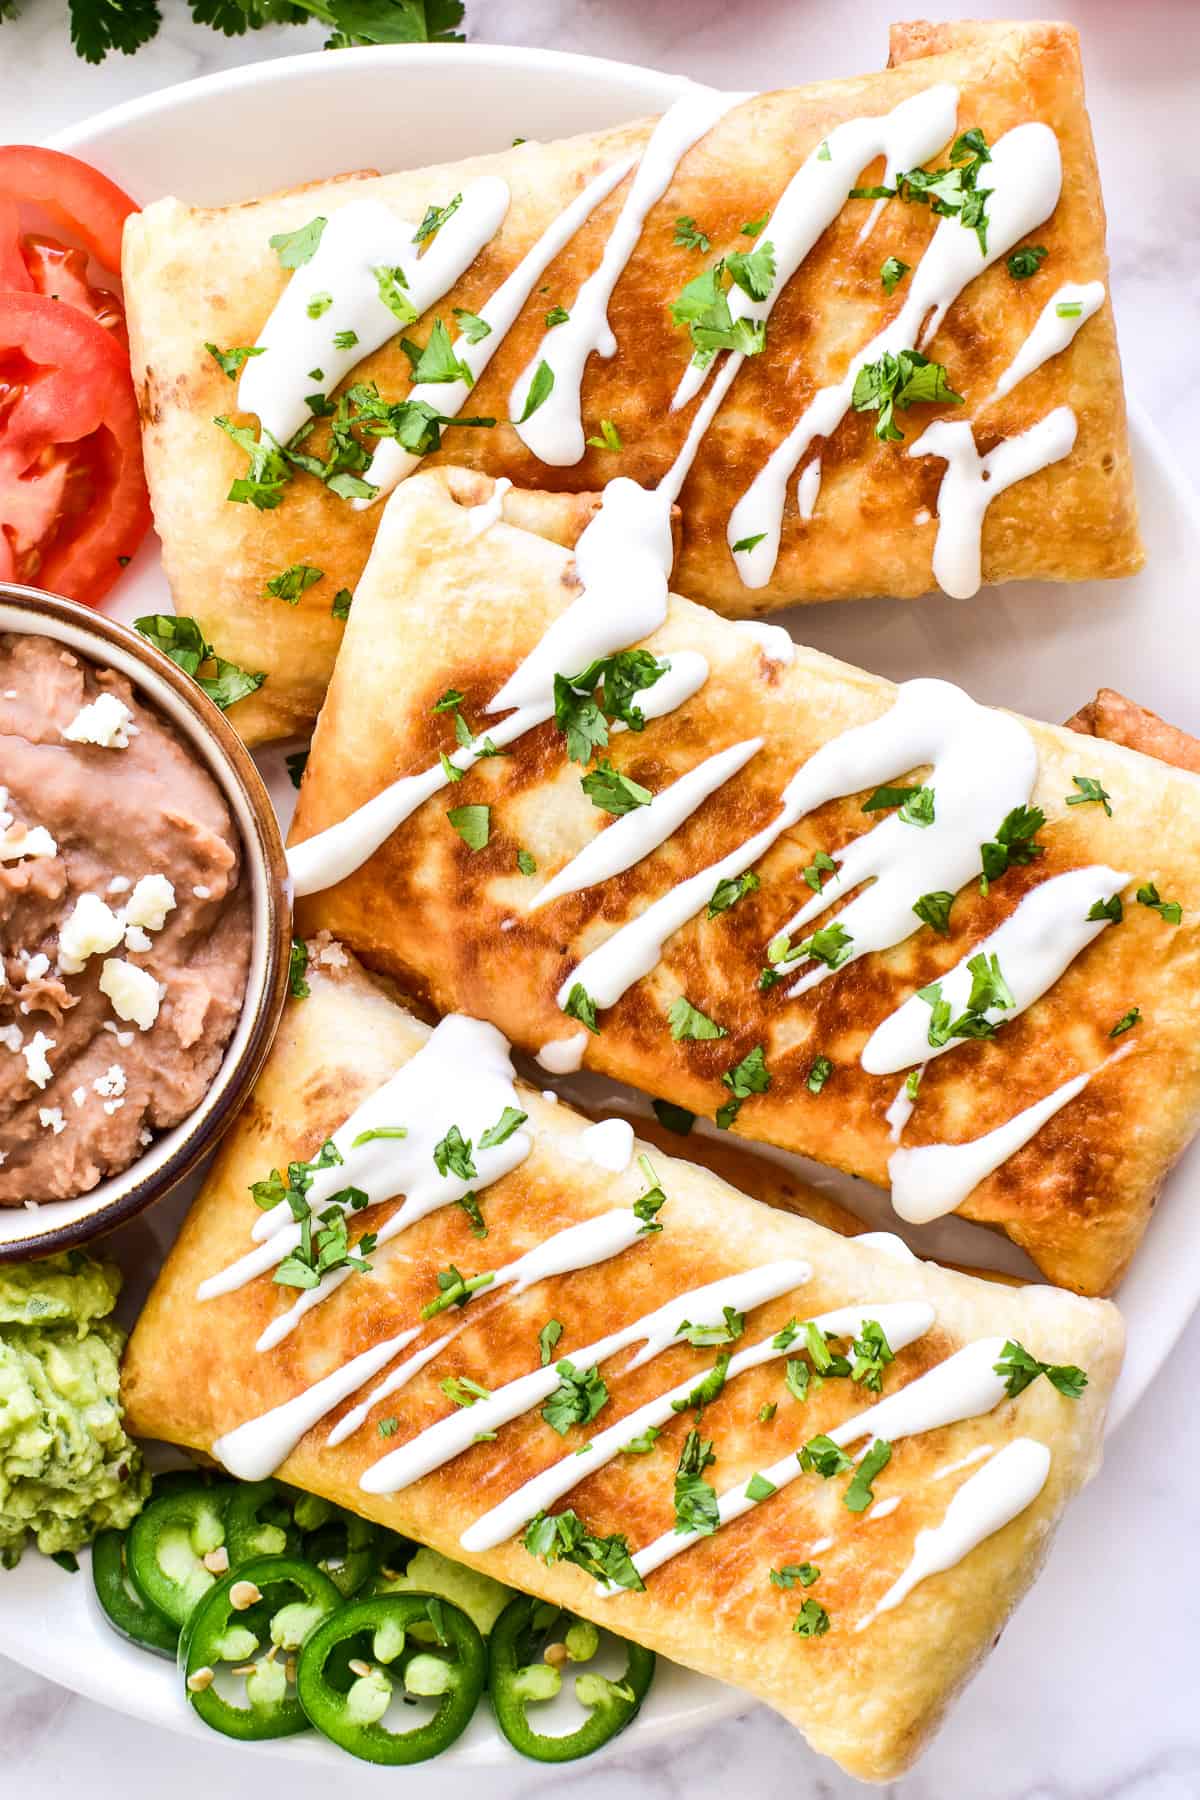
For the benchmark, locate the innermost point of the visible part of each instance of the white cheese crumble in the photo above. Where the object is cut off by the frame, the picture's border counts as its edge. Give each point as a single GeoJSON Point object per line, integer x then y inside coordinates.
{"type": "Point", "coordinates": [36, 1062]}
{"type": "Point", "coordinates": [91, 929]}
{"type": "Point", "coordinates": [120, 884]}
{"type": "Point", "coordinates": [333, 956]}
{"type": "Point", "coordinates": [124, 1038]}
{"type": "Point", "coordinates": [136, 938]}
{"type": "Point", "coordinates": [150, 902]}
{"type": "Point", "coordinates": [18, 840]}
{"type": "Point", "coordinates": [202, 893]}
{"type": "Point", "coordinates": [37, 964]}
{"type": "Point", "coordinates": [106, 721]}
{"type": "Point", "coordinates": [134, 993]}
{"type": "Point", "coordinates": [78, 1096]}
{"type": "Point", "coordinates": [112, 1081]}
{"type": "Point", "coordinates": [10, 1037]}
{"type": "Point", "coordinates": [112, 1106]}
{"type": "Point", "coordinates": [51, 1118]}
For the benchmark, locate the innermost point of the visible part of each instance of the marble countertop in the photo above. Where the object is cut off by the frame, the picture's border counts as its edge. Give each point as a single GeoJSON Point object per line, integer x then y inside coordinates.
{"type": "Point", "coordinates": [1095, 1700]}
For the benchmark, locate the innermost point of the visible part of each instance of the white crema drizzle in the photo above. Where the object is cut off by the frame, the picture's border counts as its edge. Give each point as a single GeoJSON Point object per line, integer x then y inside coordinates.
{"type": "Point", "coordinates": [1054, 331]}
{"type": "Point", "coordinates": [635, 834]}
{"type": "Point", "coordinates": [554, 432]}
{"type": "Point", "coordinates": [965, 1386]}
{"type": "Point", "coordinates": [1025, 178]}
{"type": "Point", "coordinates": [998, 1493]}
{"type": "Point", "coordinates": [358, 239]}
{"type": "Point", "coordinates": [499, 313]}
{"type": "Point", "coordinates": [461, 1076]}
{"type": "Point", "coordinates": [909, 134]}
{"type": "Point", "coordinates": [902, 1324]}
{"type": "Point", "coordinates": [985, 763]}
{"type": "Point", "coordinates": [1034, 946]}
{"type": "Point", "coordinates": [253, 1450]}
{"type": "Point", "coordinates": [655, 1331]}
{"type": "Point", "coordinates": [934, 1179]}
{"type": "Point", "coordinates": [971, 482]}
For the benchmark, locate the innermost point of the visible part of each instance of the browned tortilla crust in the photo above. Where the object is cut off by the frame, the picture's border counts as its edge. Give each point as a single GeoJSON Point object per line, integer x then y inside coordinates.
{"type": "Point", "coordinates": [197, 275]}
{"type": "Point", "coordinates": [428, 910]}
{"type": "Point", "coordinates": [1110, 715]}
{"type": "Point", "coordinates": [871, 1701]}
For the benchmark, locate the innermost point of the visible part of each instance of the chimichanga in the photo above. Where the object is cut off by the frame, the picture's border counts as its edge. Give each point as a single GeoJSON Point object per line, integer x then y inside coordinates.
{"type": "Point", "coordinates": [761, 333]}
{"type": "Point", "coordinates": [713, 911]}
{"type": "Point", "coordinates": [943, 1440]}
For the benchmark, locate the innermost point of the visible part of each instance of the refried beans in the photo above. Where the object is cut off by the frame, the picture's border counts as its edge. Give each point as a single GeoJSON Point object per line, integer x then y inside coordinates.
{"type": "Point", "coordinates": [125, 924]}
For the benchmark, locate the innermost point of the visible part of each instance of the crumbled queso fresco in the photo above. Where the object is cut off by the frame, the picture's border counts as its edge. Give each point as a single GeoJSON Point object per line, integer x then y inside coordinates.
{"type": "Point", "coordinates": [124, 924]}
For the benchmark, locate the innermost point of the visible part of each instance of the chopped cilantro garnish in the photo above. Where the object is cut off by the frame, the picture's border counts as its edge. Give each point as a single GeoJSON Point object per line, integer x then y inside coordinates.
{"type": "Point", "coordinates": [1170, 910]}
{"type": "Point", "coordinates": [230, 361]}
{"type": "Point", "coordinates": [526, 862]}
{"type": "Point", "coordinates": [688, 1022]}
{"type": "Point", "coordinates": [181, 639]}
{"type": "Point", "coordinates": [689, 236]}
{"type": "Point", "coordinates": [472, 823]}
{"type": "Point", "coordinates": [388, 1428]}
{"type": "Point", "coordinates": [376, 1132]}
{"type": "Point", "coordinates": [647, 1206]}
{"type": "Point", "coordinates": [892, 273]}
{"type": "Point", "coordinates": [1126, 1022]}
{"type": "Point", "coordinates": [463, 1391]}
{"type": "Point", "coordinates": [750, 1076]}
{"type": "Point", "coordinates": [319, 305]}
{"type": "Point", "coordinates": [703, 307]}
{"type": "Point", "coordinates": [1026, 261]}
{"type": "Point", "coordinates": [436, 361]}
{"type": "Point", "coordinates": [954, 192]}
{"type": "Point", "coordinates": [620, 678]}
{"type": "Point", "coordinates": [759, 1488]}
{"type": "Point", "coordinates": [859, 1494]}
{"type": "Point", "coordinates": [1111, 909]}
{"type": "Point", "coordinates": [748, 543]}
{"type": "Point", "coordinates": [548, 1337]}
{"type": "Point", "coordinates": [793, 1574]}
{"type": "Point", "coordinates": [821, 1456]}
{"type": "Point", "coordinates": [1069, 309]}
{"type": "Point", "coordinates": [1019, 1369]}
{"type": "Point", "coordinates": [579, 1396]}
{"type": "Point", "coordinates": [563, 1537]}
{"type": "Point", "coordinates": [293, 581]}
{"type": "Point", "coordinates": [702, 1337]}
{"type": "Point", "coordinates": [753, 270]}
{"type": "Point", "coordinates": [455, 1289]}
{"type": "Point", "coordinates": [811, 1621]}
{"type": "Point", "coordinates": [435, 218]}
{"type": "Point", "coordinates": [643, 1443]}
{"type": "Point", "coordinates": [934, 910]}
{"type": "Point", "coordinates": [612, 791]}
{"type": "Point", "coordinates": [295, 248]}
{"type": "Point", "coordinates": [727, 893]}
{"type": "Point", "coordinates": [707, 1388]}
{"type": "Point", "coordinates": [470, 1205]}
{"type": "Point", "coordinates": [510, 1120]}
{"type": "Point", "coordinates": [609, 439]}
{"type": "Point", "coordinates": [581, 1006]}
{"type": "Point", "coordinates": [673, 1118]}
{"type": "Point", "coordinates": [473, 328]}
{"type": "Point", "coordinates": [695, 1499]}
{"type": "Point", "coordinates": [298, 970]}
{"type": "Point", "coordinates": [916, 804]}
{"type": "Point", "coordinates": [392, 286]}
{"type": "Point", "coordinates": [872, 1353]}
{"type": "Point", "coordinates": [1091, 793]}
{"type": "Point", "coordinates": [898, 382]}
{"type": "Point", "coordinates": [296, 762]}
{"type": "Point", "coordinates": [819, 1072]}
{"type": "Point", "coordinates": [267, 474]}
{"type": "Point", "coordinates": [1013, 844]}
{"type": "Point", "coordinates": [540, 389]}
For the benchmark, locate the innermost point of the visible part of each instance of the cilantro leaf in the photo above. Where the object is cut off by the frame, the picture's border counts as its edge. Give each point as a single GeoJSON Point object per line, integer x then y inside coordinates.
{"type": "Point", "coordinates": [181, 639]}
{"type": "Point", "coordinates": [673, 1118]}
{"type": "Point", "coordinates": [753, 270]}
{"type": "Point", "coordinates": [548, 1337]}
{"type": "Point", "coordinates": [540, 389]}
{"type": "Point", "coordinates": [435, 218]}
{"type": "Point", "coordinates": [892, 273]}
{"type": "Point", "coordinates": [581, 1006]}
{"type": "Point", "coordinates": [898, 382]}
{"type": "Point", "coordinates": [696, 1506]}
{"type": "Point", "coordinates": [688, 1022]}
{"type": "Point", "coordinates": [689, 236]}
{"type": "Point", "coordinates": [472, 327]}
{"type": "Point", "coordinates": [231, 362]}
{"type": "Point", "coordinates": [934, 910]}
{"type": "Point", "coordinates": [295, 248]}
{"type": "Point", "coordinates": [510, 1120]}
{"type": "Point", "coordinates": [727, 893]}
{"type": "Point", "coordinates": [437, 361]}
{"type": "Point", "coordinates": [293, 581]}
{"type": "Point", "coordinates": [579, 1396]}
{"type": "Point", "coordinates": [859, 1494]}
{"type": "Point", "coordinates": [563, 1537]}
{"type": "Point", "coordinates": [612, 791]}
{"type": "Point", "coordinates": [1170, 910]}
{"type": "Point", "coordinates": [1026, 261]}
{"type": "Point", "coordinates": [298, 970]}
{"type": "Point", "coordinates": [472, 823]}
{"type": "Point", "coordinates": [1091, 793]}
{"type": "Point", "coordinates": [1019, 1369]}
{"type": "Point", "coordinates": [267, 474]}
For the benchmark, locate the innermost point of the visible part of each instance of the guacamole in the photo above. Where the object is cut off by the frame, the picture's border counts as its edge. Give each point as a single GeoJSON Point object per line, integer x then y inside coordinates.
{"type": "Point", "coordinates": [67, 1469]}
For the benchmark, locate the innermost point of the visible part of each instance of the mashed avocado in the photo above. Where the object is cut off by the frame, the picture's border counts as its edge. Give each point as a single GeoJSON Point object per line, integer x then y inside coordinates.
{"type": "Point", "coordinates": [67, 1469]}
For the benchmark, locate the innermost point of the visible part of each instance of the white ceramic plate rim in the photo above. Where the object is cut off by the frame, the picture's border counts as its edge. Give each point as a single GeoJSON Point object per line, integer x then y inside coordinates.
{"type": "Point", "coordinates": [1160, 1292]}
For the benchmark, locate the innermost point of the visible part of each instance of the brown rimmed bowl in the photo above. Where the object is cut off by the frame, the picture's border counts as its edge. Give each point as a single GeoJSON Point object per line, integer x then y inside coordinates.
{"type": "Point", "coordinates": [57, 1225]}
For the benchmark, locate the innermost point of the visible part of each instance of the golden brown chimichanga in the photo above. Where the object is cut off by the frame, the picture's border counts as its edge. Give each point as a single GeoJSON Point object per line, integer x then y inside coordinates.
{"type": "Point", "coordinates": [196, 276]}
{"type": "Point", "coordinates": [444, 606]}
{"type": "Point", "coordinates": [986, 1485]}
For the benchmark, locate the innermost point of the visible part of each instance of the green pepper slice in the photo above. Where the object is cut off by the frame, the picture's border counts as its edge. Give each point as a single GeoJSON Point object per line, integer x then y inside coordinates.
{"type": "Point", "coordinates": [260, 1521]}
{"type": "Point", "coordinates": [120, 1602]}
{"type": "Point", "coordinates": [518, 1675]}
{"type": "Point", "coordinates": [272, 1604]}
{"type": "Point", "coordinates": [353, 1663]}
{"type": "Point", "coordinates": [168, 1541]}
{"type": "Point", "coordinates": [348, 1549]}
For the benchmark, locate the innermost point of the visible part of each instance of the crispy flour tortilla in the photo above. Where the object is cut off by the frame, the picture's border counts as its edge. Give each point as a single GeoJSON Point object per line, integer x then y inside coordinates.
{"type": "Point", "coordinates": [870, 1697]}
{"type": "Point", "coordinates": [197, 275]}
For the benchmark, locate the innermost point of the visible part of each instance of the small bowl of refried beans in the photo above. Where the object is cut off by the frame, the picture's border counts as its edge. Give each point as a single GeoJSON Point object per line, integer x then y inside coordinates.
{"type": "Point", "coordinates": [144, 923]}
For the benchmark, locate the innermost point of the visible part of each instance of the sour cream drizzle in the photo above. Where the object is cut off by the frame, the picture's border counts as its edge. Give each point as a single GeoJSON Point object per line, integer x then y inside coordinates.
{"type": "Point", "coordinates": [1025, 176]}
{"type": "Point", "coordinates": [963, 1387]}
{"type": "Point", "coordinates": [450, 1436]}
{"type": "Point", "coordinates": [461, 1076]}
{"type": "Point", "coordinates": [1008, 1483]}
{"type": "Point", "coordinates": [499, 312]}
{"type": "Point", "coordinates": [358, 239]}
{"type": "Point", "coordinates": [909, 134]}
{"type": "Point", "coordinates": [935, 1179]}
{"type": "Point", "coordinates": [554, 432]}
{"type": "Point", "coordinates": [902, 1324]}
{"type": "Point", "coordinates": [1053, 332]}
{"type": "Point", "coordinates": [256, 1448]}
{"type": "Point", "coordinates": [1034, 946]}
{"type": "Point", "coordinates": [635, 834]}
{"type": "Point", "coordinates": [972, 482]}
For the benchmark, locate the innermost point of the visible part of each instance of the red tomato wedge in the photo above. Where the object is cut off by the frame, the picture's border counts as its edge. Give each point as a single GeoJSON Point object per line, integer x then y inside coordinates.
{"type": "Point", "coordinates": [73, 502]}
{"type": "Point", "coordinates": [85, 203]}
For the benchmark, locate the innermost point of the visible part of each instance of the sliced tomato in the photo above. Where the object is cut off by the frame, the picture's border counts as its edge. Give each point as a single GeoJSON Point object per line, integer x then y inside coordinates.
{"type": "Point", "coordinates": [73, 501]}
{"type": "Point", "coordinates": [62, 274]}
{"type": "Point", "coordinates": [14, 273]}
{"type": "Point", "coordinates": [85, 203]}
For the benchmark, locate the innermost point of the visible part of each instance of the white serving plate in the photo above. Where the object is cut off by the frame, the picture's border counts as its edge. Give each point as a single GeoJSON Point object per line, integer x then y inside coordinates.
{"type": "Point", "coordinates": [1039, 648]}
